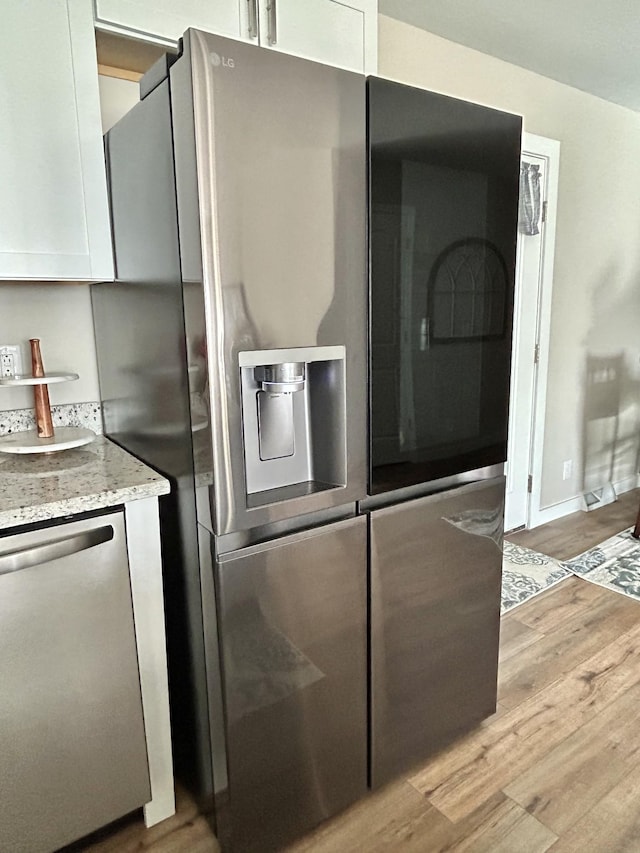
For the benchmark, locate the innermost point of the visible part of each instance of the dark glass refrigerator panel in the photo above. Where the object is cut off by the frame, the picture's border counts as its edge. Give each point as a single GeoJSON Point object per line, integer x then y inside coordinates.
{"type": "Point", "coordinates": [443, 212]}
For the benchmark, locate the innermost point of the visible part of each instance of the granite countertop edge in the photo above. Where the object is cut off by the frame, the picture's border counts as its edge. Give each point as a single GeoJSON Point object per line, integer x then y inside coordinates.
{"type": "Point", "coordinates": [113, 478]}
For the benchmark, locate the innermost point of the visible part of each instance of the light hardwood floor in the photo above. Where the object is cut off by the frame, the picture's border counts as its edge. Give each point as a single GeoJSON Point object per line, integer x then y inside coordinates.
{"type": "Point", "coordinates": [556, 768]}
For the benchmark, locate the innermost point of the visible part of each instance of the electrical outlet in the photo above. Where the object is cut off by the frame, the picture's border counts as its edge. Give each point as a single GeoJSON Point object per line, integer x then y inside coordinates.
{"type": "Point", "coordinates": [10, 360]}
{"type": "Point", "coordinates": [567, 469]}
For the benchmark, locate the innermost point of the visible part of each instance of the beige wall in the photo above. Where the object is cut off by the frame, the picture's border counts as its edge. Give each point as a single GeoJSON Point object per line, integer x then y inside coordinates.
{"type": "Point", "coordinates": [596, 290]}
{"type": "Point", "coordinates": [117, 97]}
{"type": "Point", "coordinates": [60, 315]}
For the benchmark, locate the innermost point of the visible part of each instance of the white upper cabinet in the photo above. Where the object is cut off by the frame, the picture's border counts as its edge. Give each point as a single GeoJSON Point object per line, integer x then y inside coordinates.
{"type": "Point", "coordinates": [338, 33]}
{"type": "Point", "coordinates": [164, 21]}
{"type": "Point", "coordinates": [324, 30]}
{"type": "Point", "coordinates": [54, 216]}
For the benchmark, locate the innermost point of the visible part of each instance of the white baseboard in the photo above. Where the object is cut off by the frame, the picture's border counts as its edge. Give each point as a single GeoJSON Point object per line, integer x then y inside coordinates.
{"type": "Point", "coordinates": [627, 484]}
{"type": "Point", "coordinates": [552, 513]}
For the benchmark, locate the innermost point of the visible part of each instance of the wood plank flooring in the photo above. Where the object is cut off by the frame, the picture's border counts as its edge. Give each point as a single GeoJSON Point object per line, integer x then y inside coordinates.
{"type": "Point", "coordinates": [556, 768]}
{"type": "Point", "coordinates": [570, 536]}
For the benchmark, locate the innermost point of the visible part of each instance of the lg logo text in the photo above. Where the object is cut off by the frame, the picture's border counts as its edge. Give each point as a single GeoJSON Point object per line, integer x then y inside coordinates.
{"type": "Point", "coordinates": [225, 61]}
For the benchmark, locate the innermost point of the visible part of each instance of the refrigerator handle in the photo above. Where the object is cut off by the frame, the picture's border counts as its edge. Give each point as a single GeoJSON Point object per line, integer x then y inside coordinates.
{"type": "Point", "coordinates": [272, 31]}
{"type": "Point", "coordinates": [252, 7]}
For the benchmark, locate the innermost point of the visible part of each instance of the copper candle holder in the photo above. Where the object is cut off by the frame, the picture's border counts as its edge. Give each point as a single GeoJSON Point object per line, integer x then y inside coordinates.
{"type": "Point", "coordinates": [44, 422]}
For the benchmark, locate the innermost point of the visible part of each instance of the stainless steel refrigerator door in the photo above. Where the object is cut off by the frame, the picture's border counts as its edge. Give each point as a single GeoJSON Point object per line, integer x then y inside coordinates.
{"type": "Point", "coordinates": [72, 746]}
{"type": "Point", "coordinates": [292, 623]}
{"type": "Point", "coordinates": [273, 226]}
{"type": "Point", "coordinates": [436, 568]}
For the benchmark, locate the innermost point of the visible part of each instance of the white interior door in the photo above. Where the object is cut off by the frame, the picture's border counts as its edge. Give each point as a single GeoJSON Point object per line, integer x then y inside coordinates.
{"type": "Point", "coordinates": [534, 269]}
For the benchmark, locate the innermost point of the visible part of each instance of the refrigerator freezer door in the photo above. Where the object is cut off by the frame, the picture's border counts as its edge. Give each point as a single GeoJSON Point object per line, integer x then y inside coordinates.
{"type": "Point", "coordinates": [436, 566]}
{"type": "Point", "coordinates": [292, 623]}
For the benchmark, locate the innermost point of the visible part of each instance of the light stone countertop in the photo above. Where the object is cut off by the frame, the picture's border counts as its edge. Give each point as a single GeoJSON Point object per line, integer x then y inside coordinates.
{"type": "Point", "coordinates": [38, 487]}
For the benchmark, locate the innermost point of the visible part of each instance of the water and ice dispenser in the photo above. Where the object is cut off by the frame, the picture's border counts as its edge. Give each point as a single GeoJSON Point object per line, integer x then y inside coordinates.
{"type": "Point", "coordinates": [293, 419]}
{"type": "Point", "coordinates": [278, 383]}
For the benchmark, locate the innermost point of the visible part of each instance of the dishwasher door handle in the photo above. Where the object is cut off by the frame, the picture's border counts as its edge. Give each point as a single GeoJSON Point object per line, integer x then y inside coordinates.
{"type": "Point", "coordinates": [14, 561]}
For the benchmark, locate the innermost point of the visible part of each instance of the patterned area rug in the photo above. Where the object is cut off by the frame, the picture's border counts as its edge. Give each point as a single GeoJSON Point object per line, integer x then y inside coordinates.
{"type": "Point", "coordinates": [615, 563]}
{"type": "Point", "coordinates": [526, 573]}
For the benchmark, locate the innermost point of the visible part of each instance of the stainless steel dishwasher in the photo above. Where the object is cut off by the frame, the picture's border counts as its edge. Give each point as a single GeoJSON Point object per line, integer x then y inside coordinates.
{"type": "Point", "coordinates": [72, 745]}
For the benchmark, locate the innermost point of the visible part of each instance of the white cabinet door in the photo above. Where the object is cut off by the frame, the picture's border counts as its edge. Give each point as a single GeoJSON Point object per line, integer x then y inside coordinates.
{"type": "Point", "coordinates": [54, 219]}
{"type": "Point", "coordinates": [338, 33]}
{"type": "Point", "coordinates": [324, 30]}
{"type": "Point", "coordinates": [164, 21]}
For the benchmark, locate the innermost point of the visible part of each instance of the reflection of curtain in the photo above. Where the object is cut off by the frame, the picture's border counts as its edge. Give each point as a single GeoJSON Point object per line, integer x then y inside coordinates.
{"type": "Point", "coordinates": [529, 212]}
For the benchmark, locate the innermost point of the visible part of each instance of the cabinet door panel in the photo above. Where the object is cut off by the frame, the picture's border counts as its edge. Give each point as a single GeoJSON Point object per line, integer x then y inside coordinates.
{"type": "Point", "coordinates": [292, 625]}
{"type": "Point", "coordinates": [323, 30]}
{"type": "Point", "coordinates": [54, 220]}
{"type": "Point", "coordinates": [165, 21]}
{"type": "Point", "coordinates": [436, 567]}
{"type": "Point", "coordinates": [341, 34]}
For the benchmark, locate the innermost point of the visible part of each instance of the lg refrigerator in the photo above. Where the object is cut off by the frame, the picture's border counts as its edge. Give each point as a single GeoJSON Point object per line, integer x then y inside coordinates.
{"type": "Point", "coordinates": [332, 543]}
{"type": "Point", "coordinates": [232, 358]}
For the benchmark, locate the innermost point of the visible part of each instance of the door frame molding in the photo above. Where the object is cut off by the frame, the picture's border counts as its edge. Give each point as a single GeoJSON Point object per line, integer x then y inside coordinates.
{"type": "Point", "coordinates": [550, 150]}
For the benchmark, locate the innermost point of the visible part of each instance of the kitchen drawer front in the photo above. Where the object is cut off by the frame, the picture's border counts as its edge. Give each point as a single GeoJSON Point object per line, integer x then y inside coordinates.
{"type": "Point", "coordinates": [292, 623]}
{"type": "Point", "coordinates": [436, 568]}
{"type": "Point", "coordinates": [72, 742]}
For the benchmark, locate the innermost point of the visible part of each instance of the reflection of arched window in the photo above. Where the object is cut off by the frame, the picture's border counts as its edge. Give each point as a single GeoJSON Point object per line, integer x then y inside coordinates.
{"type": "Point", "coordinates": [467, 292]}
